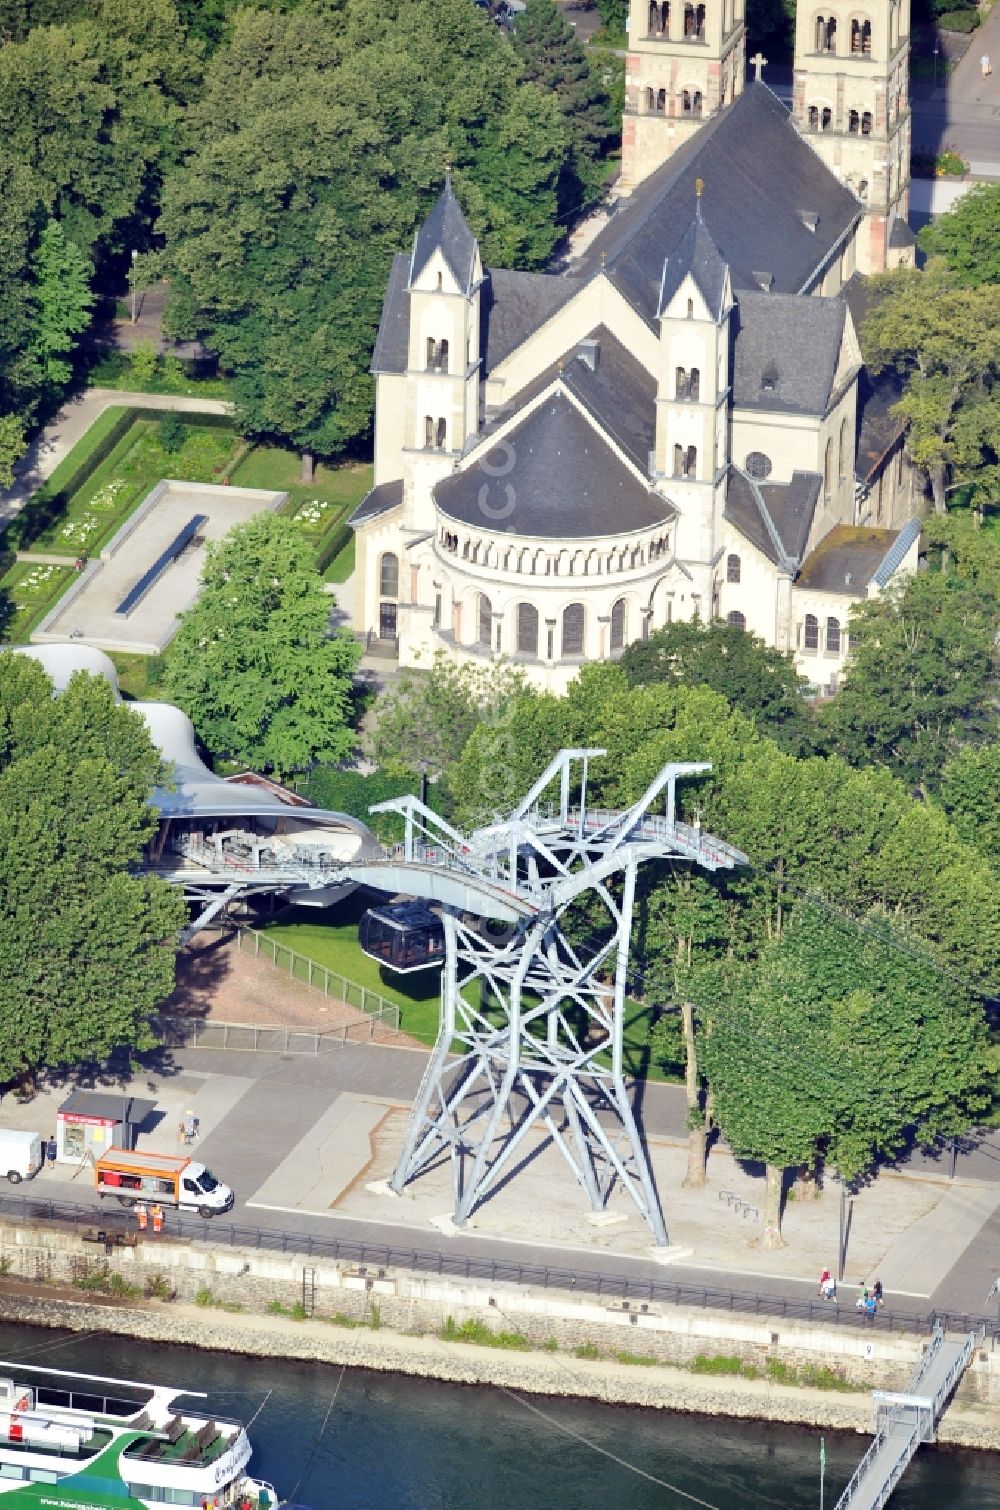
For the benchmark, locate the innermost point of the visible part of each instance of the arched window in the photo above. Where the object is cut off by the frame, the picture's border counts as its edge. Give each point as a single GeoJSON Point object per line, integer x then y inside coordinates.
{"type": "Point", "coordinates": [732, 568]}
{"type": "Point", "coordinates": [441, 434]}
{"type": "Point", "coordinates": [686, 101]}
{"type": "Point", "coordinates": [484, 627]}
{"type": "Point", "coordinates": [696, 102]}
{"type": "Point", "coordinates": [650, 101]}
{"type": "Point", "coordinates": [853, 122]}
{"type": "Point", "coordinates": [736, 619]}
{"type": "Point", "coordinates": [842, 469]}
{"type": "Point", "coordinates": [820, 34]}
{"type": "Point", "coordinates": [833, 636]}
{"type": "Point", "coordinates": [863, 189]}
{"type": "Point", "coordinates": [813, 118]}
{"type": "Point", "coordinates": [428, 430]}
{"type": "Point", "coordinates": [861, 36]}
{"type": "Point", "coordinates": [826, 119]}
{"type": "Point", "coordinates": [689, 21]}
{"type": "Point", "coordinates": [699, 22]}
{"type": "Point", "coordinates": [527, 629]}
{"type": "Point", "coordinates": [866, 123]}
{"type": "Point", "coordinates": [810, 633]}
{"type": "Point", "coordinates": [694, 384]}
{"type": "Point", "coordinates": [690, 309]}
{"type": "Point", "coordinates": [678, 461]}
{"type": "Point", "coordinates": [691, 462]}
{"type": "Point", "coordinates": [680, 383]}
{"type": "Point", "coordinates": [430, 351]}
{"type": "Point", "coordinates": [441, 357]}
{"type": "Point", "coordinates": [388, 575]}
{"type": "Point", "coordinates": [619, 624]}
{"type": "Point", "coordinates": [661, 100]}
{"type": "Point", "coordinates": [573, 624]}
{"type": "Point", "coordinates": [831, 35]}
{"type": "Point", "coordinates": [440, 283]}
{"type": "Point", "coordinates": [828, 472]}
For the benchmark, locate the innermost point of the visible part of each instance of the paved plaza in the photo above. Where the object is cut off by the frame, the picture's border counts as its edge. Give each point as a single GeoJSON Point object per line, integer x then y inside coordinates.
{"type": "Point", "coordinates": [302, 1139]}
{"type": "Point", "coordinates": [88, 611]}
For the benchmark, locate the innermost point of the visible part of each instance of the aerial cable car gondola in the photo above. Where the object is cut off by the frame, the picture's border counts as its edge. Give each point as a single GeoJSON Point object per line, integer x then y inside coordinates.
{"type": "Point", "coordinates": [404, 936]}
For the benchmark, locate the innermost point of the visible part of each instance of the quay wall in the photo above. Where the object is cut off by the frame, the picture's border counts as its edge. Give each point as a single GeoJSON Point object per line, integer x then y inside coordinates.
{"type": "Point", "coordinates": [390, 1320]}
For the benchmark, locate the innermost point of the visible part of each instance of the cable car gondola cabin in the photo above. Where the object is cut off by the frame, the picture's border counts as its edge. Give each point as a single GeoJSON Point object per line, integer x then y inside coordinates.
{"type": "Point", "coordinates": [404, 937]}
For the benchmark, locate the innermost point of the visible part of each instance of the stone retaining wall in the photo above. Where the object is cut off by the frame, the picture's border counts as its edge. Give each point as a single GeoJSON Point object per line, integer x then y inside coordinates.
{"type": "Point", "coordinates": [412, 1308]}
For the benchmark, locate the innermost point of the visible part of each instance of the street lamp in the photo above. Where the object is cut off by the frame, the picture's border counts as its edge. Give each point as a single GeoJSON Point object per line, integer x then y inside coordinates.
{"type": "Point", "coordinates": [935, 62]}
{"type": "Point", "coordinates": [132, 280]}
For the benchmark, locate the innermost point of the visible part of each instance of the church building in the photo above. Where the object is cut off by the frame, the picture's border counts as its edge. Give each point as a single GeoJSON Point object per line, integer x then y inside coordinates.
{"type": "Point", "coordinates": [680, 425]}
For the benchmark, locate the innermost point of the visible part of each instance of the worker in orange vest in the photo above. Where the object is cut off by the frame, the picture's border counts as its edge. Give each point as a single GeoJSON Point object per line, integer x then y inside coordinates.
{"type": "Point", "coordinates": [141, 1215]}
{"type": "Point", "coordinates": [157, 1214]}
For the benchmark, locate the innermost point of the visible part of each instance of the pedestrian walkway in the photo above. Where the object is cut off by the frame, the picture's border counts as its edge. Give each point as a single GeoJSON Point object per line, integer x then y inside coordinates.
{"type": "Point", "coordinates": [922, 1257]}
{"type": "Point", "coordinates": [59, 437]}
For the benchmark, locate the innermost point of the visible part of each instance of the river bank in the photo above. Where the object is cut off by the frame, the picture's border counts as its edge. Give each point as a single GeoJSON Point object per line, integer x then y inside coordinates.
{"type": "Point", "coordinates": [520, 1371]}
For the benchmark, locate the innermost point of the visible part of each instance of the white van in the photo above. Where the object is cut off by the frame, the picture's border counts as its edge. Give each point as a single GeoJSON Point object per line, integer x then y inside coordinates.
{"type": "Point", "coordinates": [20, 1154]}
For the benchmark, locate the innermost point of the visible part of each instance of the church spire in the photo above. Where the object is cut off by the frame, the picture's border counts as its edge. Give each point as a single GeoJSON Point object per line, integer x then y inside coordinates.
{"type": "Point", "coordinates": [447, 231]}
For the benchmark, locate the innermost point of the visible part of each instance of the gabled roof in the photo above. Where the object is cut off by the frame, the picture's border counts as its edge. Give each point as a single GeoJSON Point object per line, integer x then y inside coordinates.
{"type": "Point", "coordinates": [388, 495]}
{"type": "Point", "coordinates": [698, 255]}
{"type": "Point", "coordinates": [446, 230]}
{"type": "Point", "coordinates": [763, 185]}
{"type": "Point", "coordinates": [567, 481]}
{"type": "Point", "coordinates": [513, 306]}
{"type": "Point", "coordinates": [392, 344]}
{"type": "Point", "coordinates": [897, 552]}
{"type": "Point", "coordinates": [786, 351]}
{"type": "Point", "coordinates": [847, 559]}
{"type": "Point", "coordinates": [774, 517]}
{"type": "Point", "coordinates": [878, 427]}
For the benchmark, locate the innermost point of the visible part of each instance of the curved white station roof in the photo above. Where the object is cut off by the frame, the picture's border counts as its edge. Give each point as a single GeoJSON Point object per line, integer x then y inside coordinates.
{"type": "Point", "coordinates": [196, 792]}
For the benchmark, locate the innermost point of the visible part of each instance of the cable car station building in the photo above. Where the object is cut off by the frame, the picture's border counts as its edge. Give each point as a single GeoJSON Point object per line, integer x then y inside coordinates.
{"type": "Point", "coordinates": [680, 426]}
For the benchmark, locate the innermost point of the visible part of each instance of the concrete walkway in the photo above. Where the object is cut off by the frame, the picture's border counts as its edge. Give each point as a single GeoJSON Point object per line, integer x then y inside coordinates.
{"type": "Point", "coordinates": [59, 437]}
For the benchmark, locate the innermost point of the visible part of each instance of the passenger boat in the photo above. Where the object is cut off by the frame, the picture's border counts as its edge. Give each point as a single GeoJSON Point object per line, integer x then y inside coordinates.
{"type": "Point", "coordinates": [84, 1442]}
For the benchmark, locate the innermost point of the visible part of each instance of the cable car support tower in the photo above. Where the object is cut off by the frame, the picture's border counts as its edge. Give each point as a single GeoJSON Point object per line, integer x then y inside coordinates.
{"type": "Point", "coordinates": [532, 1024]}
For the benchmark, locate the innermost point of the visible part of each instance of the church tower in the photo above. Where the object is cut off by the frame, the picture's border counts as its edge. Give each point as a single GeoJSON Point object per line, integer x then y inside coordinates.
{"type": "Point", "coordinates": [685, 60]}
{"type": "Point", "coordinates": [851, 100]}
{"type": "Point", "coordinates": [692, 400]}
{"type": "Point", "coordinates": [442, 368]}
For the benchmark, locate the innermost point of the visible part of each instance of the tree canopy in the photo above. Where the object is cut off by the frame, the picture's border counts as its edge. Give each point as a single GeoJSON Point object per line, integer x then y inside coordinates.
{"type": "Point", "coordinates": [254, 664]}
{"type": "Point", "coordinates": [86, 946]}
{"type": "Point", "coordinates": [968, 236]}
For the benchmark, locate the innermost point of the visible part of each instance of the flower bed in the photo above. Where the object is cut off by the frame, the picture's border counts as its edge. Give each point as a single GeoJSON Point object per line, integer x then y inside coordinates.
{"type": "Point", "coordinates": [26, 594]}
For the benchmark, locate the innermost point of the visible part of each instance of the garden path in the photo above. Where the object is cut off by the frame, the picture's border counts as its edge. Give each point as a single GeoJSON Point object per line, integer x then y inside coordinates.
{"type": "Point", "coordinates": [76, 417]}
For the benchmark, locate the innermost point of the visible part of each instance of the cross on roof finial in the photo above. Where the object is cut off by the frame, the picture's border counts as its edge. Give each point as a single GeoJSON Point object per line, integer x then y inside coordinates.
{"type": "Point", "coordinates": [604, 258]}
{"type": "Point", "coordinates": [759, 62]}
{"type": "Point", "coordinates": [699, 189]}
{"type": "Point", "coordinates": [447, 169]}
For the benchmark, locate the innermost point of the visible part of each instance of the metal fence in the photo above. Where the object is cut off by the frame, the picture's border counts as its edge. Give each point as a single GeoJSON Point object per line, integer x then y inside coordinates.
{"type": "Point", "coordinates": [321, 977]}
{"type": "Point", "coordinates": [615, 1288]}
{"type": "Point", "coordinates": [277, 1039]}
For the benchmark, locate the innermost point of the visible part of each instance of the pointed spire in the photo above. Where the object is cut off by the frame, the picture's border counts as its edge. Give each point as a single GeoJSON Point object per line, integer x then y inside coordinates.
{"type": "Point", "coordinates": [699, 189]}
{"type": "Point", "coordinates": [697, 255]}
{"type": "Point", "coordinates": [446, 230]}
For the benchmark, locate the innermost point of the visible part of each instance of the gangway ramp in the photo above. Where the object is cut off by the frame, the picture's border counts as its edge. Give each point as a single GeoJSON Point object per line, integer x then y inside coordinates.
{"type": "Point", "coordinates": [905, 1420]}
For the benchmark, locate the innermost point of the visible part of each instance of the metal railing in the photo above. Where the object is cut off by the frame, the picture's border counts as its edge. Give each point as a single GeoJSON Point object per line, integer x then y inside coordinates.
{"type": "Point", "coordinates": [613, 1287]}
{"type": "Point", "coordinates": [320, 977]}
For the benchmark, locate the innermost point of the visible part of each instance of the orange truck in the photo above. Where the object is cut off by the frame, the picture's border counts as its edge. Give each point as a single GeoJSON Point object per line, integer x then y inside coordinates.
{"type": "Point", "coordinates": [160, 1178]}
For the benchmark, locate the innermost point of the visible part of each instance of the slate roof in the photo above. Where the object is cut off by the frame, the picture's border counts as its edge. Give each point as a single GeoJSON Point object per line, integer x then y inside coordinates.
{"type": "Point", "coordinates": [878, 427]}
{"type": "Point", "coordinates": [895, 555]}
{"type": "Point", "coordinates": [698, 255]}
{"type": "Point", "coordinates": [618, 392]}
{"type": "Point", "coordinates": [775, 517]}
{"type": "Point", "coordinates": [392, 343]}
{"type": "Point", "coordinates": [567, 481]}
{"type": "Point", "coordinates": [514, 305]}
{"type": "Point", "coordinates": [446, 230]}
{"type": "Point", "coordinates": [785, 351]}
{"type": "Point", "coordinates": [388, 495]}
{"type": "Point", "coordinates": [846, 560]}
{"type": "Point", "coordinates": [761, 177]}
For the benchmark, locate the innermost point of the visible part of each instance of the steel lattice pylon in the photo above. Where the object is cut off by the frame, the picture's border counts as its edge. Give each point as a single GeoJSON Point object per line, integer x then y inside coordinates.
{"type": "Point", "coordinates": [537, 1024]}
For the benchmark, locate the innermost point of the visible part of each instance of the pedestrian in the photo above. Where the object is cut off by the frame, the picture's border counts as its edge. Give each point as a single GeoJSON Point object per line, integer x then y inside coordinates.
{"type": "Point", "coordinates": [142, 1215]}
{"type": "Point", "coordinates": [827, 1285]}
{"type": "Point", "coordinates": [877, 1292]}
{"type": "Point", "coordinates": [870, 1308]}
{"type": "Point", "coordinates": [156, 1213]}
{"type": "Point", "coordinates": [190, 1125]}
{"type": "Point", "coordinates": [52, 1150]}
{"type": "Point", "coordinates": [986, 67]}
{"type": "Point", "coordinates": [862, 1297]}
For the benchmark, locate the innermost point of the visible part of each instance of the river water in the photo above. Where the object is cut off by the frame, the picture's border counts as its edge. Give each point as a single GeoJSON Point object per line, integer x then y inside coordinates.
{"type": "Point", "coordinates": [393, 1443]}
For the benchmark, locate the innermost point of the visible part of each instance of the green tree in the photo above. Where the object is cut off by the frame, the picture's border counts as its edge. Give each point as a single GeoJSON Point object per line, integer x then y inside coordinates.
{"type": "Point", "coordinates": [970, 795]}
{"type": "Point", "coordinates": [424, 720]}
{"type": "Point", "coordinates": [11, 446]}
{"type": "Point", "coordinates": [614, 14]}
{"type": "Point", "coordinates": [968, 236]}
{"type": "Point", "coordinates": [63, 302]}
{"type": "Point", "coordinates": [553, 59]}
{"type": "Point", "coordinates": [87, 946]}
{"type": "Point", "coordinates": [921, 678]}
{"type": "Point", "coordinates": [750, 675]}
{"type": "Point", "coordinates": [321, 140]}
{"type": "Point", "coordinates": [254, 664]}
{"type": "Point", "coordinates": [20, 216]}
{"type": "Point", "coordinates": [843, 1039]}
{"type": "Point", "coordinates": [941, 337]}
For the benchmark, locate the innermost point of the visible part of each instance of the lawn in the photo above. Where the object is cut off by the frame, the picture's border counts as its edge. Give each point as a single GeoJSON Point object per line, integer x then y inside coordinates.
{"type": "Point", "coordinates": [138, 675]}
{"type": "Point", "coordinates": [330, 937]}
{"type": "Point", "coordinates": [27, 592]}
{"type": "Point", "coordinates": [342, 565]}
{"type": "Point", "coordinates": [320, 506]}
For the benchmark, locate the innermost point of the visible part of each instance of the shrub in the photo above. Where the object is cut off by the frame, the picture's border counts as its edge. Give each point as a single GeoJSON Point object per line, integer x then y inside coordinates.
{"type": "Point", "coordinates": [958, 20]}
{"type": "Point", "coordinates": [476, 1331]}
{"type": "Point", "coordinates": [640, 1360]}
{"type": "Point", "coordinates": [204, 1297]}
{"type": "Point", "coordinates": [173, 432]}
{"type": "Point", "coordinates": [144, 363]}
{"type": "Point", "coordinates": [587, 1350]}
{"type": "Point", "coordinates": [158, 1287]}
{"type": "Point", "coordinates": [716, 1363]}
